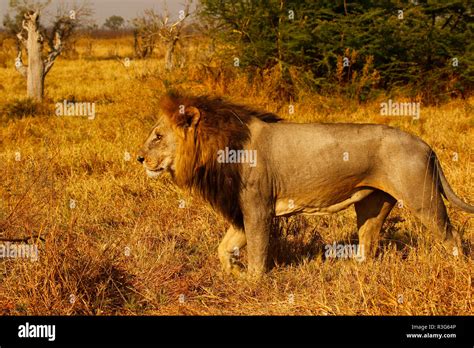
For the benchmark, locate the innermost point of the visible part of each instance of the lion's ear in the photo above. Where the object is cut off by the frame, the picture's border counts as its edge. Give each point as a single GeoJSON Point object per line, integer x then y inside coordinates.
{"type": "Point", "coordinates": [192, 116]}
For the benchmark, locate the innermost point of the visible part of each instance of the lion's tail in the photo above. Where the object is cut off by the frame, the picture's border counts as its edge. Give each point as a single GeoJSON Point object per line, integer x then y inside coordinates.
{"type": "Point", "coordinates": [448, 191]}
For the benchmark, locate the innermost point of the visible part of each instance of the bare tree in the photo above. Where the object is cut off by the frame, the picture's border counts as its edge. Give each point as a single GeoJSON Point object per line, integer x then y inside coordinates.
{"type": "Point", "coordinates": [145, 32]}
{"type": "Point", "coordinates": [152, 26]}
{"type": "Point", "coordinates": [170, 33]}
{"type": "Point", "coordinates": [31, 37]}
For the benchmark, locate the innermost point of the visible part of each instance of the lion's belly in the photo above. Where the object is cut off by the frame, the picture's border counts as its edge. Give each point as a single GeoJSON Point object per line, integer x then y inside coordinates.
{"type": "Point", "coordinates": [310, 205]}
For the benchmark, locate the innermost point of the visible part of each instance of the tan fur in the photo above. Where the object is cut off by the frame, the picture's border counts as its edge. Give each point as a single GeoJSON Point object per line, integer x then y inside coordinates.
{"type": "Point", "coordinates": [301, 168]}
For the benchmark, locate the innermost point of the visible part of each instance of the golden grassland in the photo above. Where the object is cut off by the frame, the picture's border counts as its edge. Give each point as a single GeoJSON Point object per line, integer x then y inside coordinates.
{"type": "Point", "coordinates": [128, 248]}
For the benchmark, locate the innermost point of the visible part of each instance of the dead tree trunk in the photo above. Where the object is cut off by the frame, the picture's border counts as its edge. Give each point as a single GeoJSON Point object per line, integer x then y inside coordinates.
{"type": "Point", "coordinates": [38, 66]}
{"type": "Point", "coordinates": [35, 71]}
{"type": "Point", "coordinates": [169, 53]}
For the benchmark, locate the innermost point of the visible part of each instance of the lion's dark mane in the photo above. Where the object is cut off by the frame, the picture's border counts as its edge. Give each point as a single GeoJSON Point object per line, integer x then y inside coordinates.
{"type": "Point", "coordinates": [222, 124]}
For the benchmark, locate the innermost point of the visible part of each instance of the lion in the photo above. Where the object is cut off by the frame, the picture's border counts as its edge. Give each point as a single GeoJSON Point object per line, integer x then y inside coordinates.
{"type": "Point", "coordinates": [207, 145]}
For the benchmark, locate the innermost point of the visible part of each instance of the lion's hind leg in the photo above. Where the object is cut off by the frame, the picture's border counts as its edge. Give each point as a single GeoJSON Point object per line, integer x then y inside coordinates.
{"type": "Point", "coordinates": [229, 250]}
{"type": "Point", "coordinates": [371, 213]}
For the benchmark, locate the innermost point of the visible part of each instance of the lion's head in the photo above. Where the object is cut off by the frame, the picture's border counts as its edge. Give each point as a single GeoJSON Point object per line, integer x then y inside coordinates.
{"type": "Point", "coordinates": [159, 150]}
{"type": "Point", "coordinates": [187, 139]}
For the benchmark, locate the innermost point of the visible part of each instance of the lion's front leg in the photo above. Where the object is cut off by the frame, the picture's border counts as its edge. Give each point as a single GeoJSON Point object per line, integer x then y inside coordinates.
{"type": "Point", "coordinates": [229, 250]}
{"type": "Point", "coordinates": [257, 224]}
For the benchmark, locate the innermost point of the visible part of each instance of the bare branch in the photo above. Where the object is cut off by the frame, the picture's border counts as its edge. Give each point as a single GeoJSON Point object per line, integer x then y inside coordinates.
{"type": "Point", "coordinates": [21, 38]}
{"type": "Point", "coordinates": [152, 25]}
{"type": "Point", "coordinates": [19, 64]}
{"type": "Point", "coordinates": [30, 18]}
{"type": "Point", "coordinates": [56, 50]}
{"type": "Point", "coordinates": [24, 26]}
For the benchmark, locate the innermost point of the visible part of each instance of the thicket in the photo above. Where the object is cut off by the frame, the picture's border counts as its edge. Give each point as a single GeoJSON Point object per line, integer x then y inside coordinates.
{"type": "Point", "coordinates": [356, 48]}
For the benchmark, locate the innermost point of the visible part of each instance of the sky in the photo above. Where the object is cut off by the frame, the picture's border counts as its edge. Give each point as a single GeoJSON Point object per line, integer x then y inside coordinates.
{"type": "Point", "coordinates": [103, 9]}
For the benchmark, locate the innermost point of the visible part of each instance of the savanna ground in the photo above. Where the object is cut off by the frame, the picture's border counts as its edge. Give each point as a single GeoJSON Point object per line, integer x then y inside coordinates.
{"type": "Point", "coordinates": [129, 247]}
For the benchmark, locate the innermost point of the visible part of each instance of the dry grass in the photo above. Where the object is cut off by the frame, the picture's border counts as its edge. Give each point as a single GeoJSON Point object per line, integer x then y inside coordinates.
{"type": "Point", "coordinates": [128, 248]}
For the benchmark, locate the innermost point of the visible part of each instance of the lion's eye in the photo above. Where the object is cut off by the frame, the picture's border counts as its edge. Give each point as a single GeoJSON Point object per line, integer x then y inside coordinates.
{"type": "Point", "coordinates": [158, 137]}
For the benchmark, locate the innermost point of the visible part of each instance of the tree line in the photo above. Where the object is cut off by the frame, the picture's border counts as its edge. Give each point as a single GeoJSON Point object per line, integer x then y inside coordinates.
{"type": "Point", "coordinates": [357, 48]}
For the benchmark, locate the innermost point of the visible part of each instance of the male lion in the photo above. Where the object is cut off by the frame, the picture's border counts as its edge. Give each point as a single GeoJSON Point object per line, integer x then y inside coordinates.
{"type": "Point", "coordinates": [300, 168]}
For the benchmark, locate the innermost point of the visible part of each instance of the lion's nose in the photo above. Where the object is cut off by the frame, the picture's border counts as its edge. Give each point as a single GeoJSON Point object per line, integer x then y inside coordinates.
{"type": "Point", "coordinates": [140, 159]}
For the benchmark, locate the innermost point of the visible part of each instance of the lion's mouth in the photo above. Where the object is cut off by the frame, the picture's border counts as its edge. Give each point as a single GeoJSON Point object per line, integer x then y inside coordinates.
{"type": "Point", "coordinates": [154, 173]}
{"type": "Point", "coordinates": [158, 170]}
